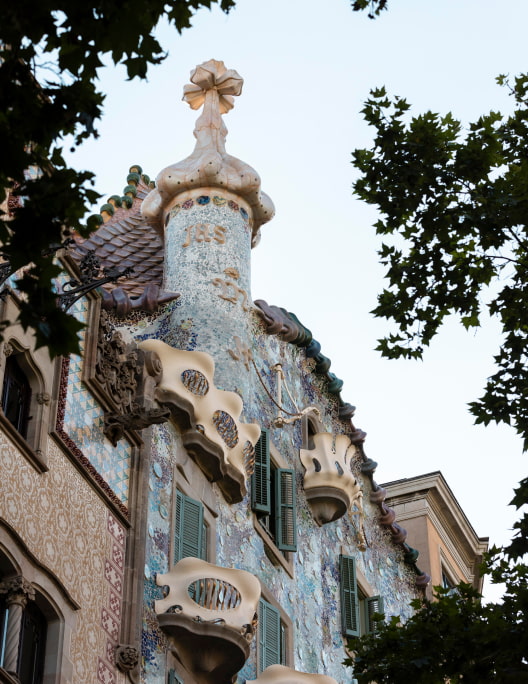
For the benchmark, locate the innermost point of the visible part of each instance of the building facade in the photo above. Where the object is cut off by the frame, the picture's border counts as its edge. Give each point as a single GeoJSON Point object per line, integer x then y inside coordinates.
{"type": "Point", "coordinates": [188, 500]}
{"type": "Point", "coordinates": [450, 550]}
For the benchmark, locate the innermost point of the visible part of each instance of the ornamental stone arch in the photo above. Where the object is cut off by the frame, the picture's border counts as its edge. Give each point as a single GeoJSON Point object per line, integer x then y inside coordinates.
{"type": "Point", "coordinates": [28, 589]}
{"type": "Point", "coordinates": [18, 354]}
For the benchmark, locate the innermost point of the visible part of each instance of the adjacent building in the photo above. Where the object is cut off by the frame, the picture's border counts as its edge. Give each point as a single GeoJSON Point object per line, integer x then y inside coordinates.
{"type": "Point", "coordinates": [450, 550]}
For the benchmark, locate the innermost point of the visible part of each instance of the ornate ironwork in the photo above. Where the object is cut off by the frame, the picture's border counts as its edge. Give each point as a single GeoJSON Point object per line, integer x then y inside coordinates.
{"type": "Point", "coordinates": [6, 269]}
{"type": "Point", "coordinates": [92, 276]}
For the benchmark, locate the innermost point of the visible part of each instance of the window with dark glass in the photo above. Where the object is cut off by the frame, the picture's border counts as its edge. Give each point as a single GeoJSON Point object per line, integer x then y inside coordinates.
{"type": "Point", "coordinates": [16, 395]}
{"type": "Point", "coordinates": [32, 645]}
{"type": "Point", "coordinates": [446, 582]}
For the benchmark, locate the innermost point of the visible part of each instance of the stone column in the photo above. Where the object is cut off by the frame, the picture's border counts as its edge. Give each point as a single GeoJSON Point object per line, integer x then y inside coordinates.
{"type": "Point", "coordinates": [18, 592]}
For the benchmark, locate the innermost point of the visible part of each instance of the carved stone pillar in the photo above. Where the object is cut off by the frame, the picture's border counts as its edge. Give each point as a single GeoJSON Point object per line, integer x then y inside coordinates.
{"type": "Point", "coordinates": [18, 592]}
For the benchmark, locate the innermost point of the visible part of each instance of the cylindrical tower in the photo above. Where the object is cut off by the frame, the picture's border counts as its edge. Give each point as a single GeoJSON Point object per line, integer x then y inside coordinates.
{"type": "Point", "coordinates": [209, 209]}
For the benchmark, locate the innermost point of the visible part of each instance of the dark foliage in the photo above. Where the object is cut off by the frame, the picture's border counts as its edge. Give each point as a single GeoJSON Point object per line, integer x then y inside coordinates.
{"type": "Point", "coordinates": [50, 54]}
{"type": "Point", "coordinates": [456, 206]}
{"type": "Point", "coordinates": [454, 215]}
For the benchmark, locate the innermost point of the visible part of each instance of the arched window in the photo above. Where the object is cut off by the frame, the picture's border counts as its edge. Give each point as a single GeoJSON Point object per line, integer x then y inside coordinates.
{"type": "Point", "coordinates": [33, 613]}
{"type": "Point", "coordinates": [23, 630]}
{"type": "Point", "coordinates": [16, 395]}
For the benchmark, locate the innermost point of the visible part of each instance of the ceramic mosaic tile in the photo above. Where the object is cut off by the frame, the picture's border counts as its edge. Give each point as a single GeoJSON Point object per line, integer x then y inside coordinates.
{"type": "Point", "coordinates": [311, 597]}
{"type": "Point", "coordinates": [84, 421]}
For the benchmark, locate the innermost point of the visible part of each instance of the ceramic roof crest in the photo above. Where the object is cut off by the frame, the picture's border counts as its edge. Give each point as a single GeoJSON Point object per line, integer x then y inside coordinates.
{"type": "Point", "coordinates": [213, 87]}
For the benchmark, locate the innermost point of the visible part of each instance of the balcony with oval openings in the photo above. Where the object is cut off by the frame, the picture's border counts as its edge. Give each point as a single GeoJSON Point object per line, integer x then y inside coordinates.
{"type": "Point", "coordinates": [329, 483]}
{"type": "Point", "coordinates": [209, 418]}
{"type": "Point", "coordinates": [210, 616]}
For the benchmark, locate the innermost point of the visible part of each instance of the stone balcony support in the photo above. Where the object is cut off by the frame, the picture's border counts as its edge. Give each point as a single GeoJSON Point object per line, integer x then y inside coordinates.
{"type": "Point", "coordinates": [330, 486]}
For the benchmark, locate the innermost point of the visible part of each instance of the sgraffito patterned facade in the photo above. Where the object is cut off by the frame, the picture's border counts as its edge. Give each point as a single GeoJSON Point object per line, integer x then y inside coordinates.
{"type": "Point", "coordinates": [68, 528]}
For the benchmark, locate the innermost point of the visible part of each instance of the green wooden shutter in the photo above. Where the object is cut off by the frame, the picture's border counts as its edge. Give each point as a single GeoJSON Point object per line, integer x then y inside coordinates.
{"type": "Point", "coordinates": [349, 596]}
{"type": "Point", "coordinates": [269, 635]}
{"type": "Point", "coordinates": [188, 528]}
{"type": "Point", "coordinates": [260, 480]}
{"type": "Point", "coordinates": [373, 604]}
{"type": "Point", "coordinates": [173, 678]}
{"type": "Point", "coordinates": [205, 534]}
{"type": "Point", "coordinates": [285, 515]}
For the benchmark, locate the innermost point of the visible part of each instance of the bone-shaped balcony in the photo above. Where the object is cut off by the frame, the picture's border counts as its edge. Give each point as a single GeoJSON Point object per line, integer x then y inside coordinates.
{"type": "Point", "coordinates": [210, 616]}
{"type": "Point", "coordinates": [221, 444]}
{"type": "Point", "coordinates": [278, 674]}
{"type": "Point", "coordinates": [330, 486]}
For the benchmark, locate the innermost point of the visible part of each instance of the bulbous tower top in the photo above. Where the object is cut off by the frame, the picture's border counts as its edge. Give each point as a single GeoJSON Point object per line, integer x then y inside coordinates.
{"type": "Point", "coordinates": [213, 87]}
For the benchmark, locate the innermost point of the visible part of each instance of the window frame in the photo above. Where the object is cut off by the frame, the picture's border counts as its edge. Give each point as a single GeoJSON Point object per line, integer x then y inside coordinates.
{"type": "Point", "coordinates": [51, 597]}
{"type": "Point", "coordinates": [208, 544]}
{"type": "Point", "coordinates": [41, 373]}
{"type": "Point", "coordinates": [285, 634]}
{"type": "Point", "coordinates": [278, 556]}
{"type": "Point", "coordinates": [359, 600]}
{"type": "Point", "coordinates": [16, 386]}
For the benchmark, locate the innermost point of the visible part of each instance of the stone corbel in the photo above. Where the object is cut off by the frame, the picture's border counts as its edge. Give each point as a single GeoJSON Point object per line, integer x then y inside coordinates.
{"type": "Point", "coordinates": [279, 674]}
{"type": "Point", "coordinates": [331, 487]}
{"type": "Point", "coordinates": [211, 631]}
{"type": "Point", "coordinates": [125, 378]}
{"type": "Point", "coordinates": [127, 661]}
{"type": "Point", "coordinates": [221, 445]}
{"type": "Point", "coordinates": [143, 410]}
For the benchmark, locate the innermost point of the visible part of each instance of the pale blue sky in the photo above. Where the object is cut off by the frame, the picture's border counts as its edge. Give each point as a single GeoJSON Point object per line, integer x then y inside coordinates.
{"type": "Point", "coordinates": [308, 66]}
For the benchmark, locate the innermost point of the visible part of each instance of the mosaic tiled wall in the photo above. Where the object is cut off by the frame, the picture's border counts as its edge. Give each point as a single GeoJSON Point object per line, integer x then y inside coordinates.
{"type": "Point", "coordinates": [165, 442]}
{"type": "Point", "coordinates": [69, 530]}
{"type": "Point", "coordinates": [211, 269]}
{"type": "Point", "coordinates": [84, 420]}
{"type": "Point", "coordinates": [311, 598]}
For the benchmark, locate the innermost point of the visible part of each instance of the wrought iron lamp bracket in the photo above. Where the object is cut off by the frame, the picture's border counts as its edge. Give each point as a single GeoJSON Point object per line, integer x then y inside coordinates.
{"type": "Point", "coordinates": [90, 279]}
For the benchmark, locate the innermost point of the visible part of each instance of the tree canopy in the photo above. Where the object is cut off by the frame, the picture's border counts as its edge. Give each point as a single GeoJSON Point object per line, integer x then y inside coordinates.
{"type": "Point", "coordinates": [50, 55]}
{"type": "Point", "coordinates": [453, 205]}
{"type": "Point", "coordinates": [454, 217]}
{"type": "Point", "coordinates": [457, 637]}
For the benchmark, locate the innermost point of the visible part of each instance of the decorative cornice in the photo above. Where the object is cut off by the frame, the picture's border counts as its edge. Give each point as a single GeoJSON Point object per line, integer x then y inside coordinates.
{"type": "Point", "coordinates": [438, 503]}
